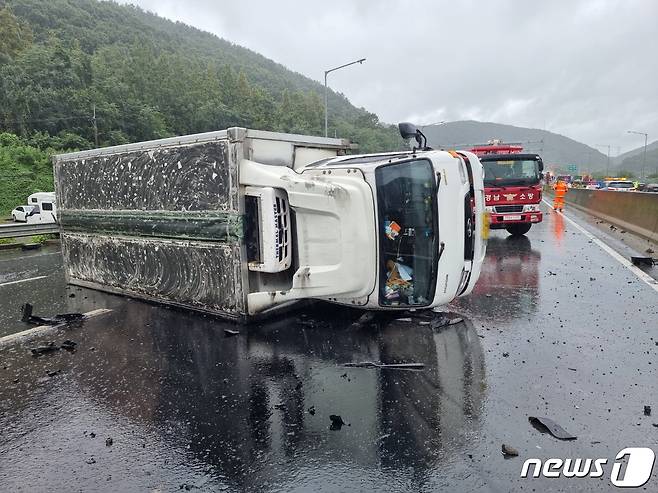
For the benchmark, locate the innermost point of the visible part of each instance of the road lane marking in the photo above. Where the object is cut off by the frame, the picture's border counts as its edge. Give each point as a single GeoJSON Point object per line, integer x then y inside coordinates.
{"type": "Point", "coordinates": [646, 278]}
{"type": "Point", "coordinates": [43, 329]}
{"type": "Point", "coordinates": [22, 280]}
{"type": "Point", "coordinates": [14, 259]}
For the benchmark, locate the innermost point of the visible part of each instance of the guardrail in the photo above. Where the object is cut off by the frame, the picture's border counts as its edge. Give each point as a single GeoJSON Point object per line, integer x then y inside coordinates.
{"type": "Point", "coordinates": [634, 211]}
{"type": "Point", "coordinates": [22, 229]}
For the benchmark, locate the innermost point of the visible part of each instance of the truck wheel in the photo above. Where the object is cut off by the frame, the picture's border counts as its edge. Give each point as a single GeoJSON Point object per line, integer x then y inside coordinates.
{"type": "Point", "coordinates": [518, 229]}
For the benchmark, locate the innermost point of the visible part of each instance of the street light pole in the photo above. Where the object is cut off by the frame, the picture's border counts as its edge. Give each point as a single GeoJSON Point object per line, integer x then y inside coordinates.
{"type": "Point", "coordinates": [644, 159]}
{"type": "Point", "coordinates": [422, 127]}
{"type": "Point", "coordinates": [326, 96]}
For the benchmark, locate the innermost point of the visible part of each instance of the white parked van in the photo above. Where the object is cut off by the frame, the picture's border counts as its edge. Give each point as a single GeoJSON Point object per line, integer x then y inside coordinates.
{"type": "Point", "coordinates": [43, 206]}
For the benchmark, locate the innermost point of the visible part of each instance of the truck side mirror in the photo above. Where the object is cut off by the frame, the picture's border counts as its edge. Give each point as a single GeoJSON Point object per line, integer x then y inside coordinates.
{"type": "Point", "coordinates": [410, 131]}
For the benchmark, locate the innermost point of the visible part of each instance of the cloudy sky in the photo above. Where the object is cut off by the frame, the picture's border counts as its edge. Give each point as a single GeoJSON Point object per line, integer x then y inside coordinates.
{"type": "Point", "coordinates": [586, 69]}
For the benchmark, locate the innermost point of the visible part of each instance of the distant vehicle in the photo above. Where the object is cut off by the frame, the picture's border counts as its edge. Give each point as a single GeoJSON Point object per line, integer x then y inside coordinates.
{"type": "Point", "coordinates": [592, 185]}
{"type": "Point", "coordinates": [651, 188]}
{"type": "Point", "coordinates": [43, 206]}
{"type": "Point", "coordinates": [619, 186]}
{"type": "Point", "coordinates": [512, 186]}
{"type": "Point", "coordinates": [19, 214]}
{"type": "Point", "coordinates": [239, 222]}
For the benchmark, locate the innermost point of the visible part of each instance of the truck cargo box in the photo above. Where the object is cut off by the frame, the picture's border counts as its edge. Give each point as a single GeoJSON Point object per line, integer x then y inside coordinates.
{"type": "Point", "coordinates": [164, 220]}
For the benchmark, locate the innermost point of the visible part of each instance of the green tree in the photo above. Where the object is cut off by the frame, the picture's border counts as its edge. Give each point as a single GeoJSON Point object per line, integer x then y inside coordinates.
{"type": "Point", "coordinates": [15, 36]}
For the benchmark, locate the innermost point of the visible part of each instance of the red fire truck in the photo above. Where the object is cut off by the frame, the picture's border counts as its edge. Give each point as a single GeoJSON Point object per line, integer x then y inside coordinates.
{"type": "Point", "coordinates": [512, 189]}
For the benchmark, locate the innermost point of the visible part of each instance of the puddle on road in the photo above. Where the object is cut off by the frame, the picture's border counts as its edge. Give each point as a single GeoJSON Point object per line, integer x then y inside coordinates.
{"type": "Point", "coordinates": [187, 406]}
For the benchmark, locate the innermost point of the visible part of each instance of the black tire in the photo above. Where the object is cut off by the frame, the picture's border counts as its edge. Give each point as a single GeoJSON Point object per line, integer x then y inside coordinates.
{"type": "Point", "coordinates": [518, 229]}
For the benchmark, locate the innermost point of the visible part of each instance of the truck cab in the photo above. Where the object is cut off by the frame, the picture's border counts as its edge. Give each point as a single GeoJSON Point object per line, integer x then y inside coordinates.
{"type": "Point", "coordinates": [242, 223]}
{"type": "Point", "coordinates": [393, 231]}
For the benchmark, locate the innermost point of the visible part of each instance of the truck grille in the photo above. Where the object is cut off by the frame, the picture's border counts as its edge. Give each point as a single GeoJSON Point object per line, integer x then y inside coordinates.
{"type": "Point", "coordinates": [283, 237]}
{"type": "Point", "coordinates": [508, 208]}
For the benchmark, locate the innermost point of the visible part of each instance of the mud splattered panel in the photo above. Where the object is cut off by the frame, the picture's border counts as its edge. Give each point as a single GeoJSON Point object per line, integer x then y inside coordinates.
{"type": "Point", "coordinates": [200, 274]}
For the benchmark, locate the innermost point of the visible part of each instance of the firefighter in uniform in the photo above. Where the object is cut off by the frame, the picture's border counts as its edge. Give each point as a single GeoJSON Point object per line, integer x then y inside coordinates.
{"type": "Point", "coordinates": [560, 191]}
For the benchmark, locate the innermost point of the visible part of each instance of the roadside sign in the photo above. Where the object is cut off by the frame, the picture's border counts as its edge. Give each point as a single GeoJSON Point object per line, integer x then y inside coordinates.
{"type": "Point", "coordinates": [572, 168]}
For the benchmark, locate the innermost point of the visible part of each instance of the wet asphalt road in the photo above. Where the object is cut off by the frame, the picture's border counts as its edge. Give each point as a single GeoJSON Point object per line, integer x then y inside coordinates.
{"type": "Point", "coordinates": [555, 328]}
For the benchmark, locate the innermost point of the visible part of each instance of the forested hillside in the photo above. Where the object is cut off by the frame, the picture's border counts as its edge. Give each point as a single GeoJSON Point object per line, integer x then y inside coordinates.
{"type": "Point", "coordinates": [634, 161]}
{"type": "Point", "coordinates": [146, 78]}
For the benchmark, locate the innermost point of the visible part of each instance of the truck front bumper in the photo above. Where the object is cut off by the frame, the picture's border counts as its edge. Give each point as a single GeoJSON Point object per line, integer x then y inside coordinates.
{"type": "Point", "coordinates": [501, 221]}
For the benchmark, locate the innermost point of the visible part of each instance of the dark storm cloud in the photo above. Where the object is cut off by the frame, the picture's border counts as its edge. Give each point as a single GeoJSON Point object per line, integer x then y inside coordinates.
{"type": "Point", "coordinates": [585, 69]}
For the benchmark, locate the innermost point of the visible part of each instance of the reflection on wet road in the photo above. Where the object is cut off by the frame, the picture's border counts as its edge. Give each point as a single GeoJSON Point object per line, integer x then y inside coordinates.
{"type": "Point", "coordinates": [555, 328]}
{"type": "Point", "coordinates": [234, 412]}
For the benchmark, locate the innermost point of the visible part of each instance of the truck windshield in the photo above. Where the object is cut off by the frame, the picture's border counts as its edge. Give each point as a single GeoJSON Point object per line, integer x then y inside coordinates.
{"type": "Point", "coordinates": [407, 208]}
{"type": "Point", "coordinates": [510, 172]}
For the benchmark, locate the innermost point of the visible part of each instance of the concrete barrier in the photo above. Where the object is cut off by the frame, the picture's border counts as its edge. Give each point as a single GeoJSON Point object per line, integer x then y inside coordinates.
{"type": "Point", "coordinates": [634, 211]}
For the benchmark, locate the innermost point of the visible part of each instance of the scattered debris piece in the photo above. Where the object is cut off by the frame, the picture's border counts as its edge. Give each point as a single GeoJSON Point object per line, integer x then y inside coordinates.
{"type": "Point", "coordinates": [505, 354]}
{"type": "Point", "coordinates": [647, 410]}
{"type": "Point", "coordinates": [91, 460]}
{"type": "Point", "coordinates": [405, 319]}
{"type": "Point", "coordinates": [509, 451]}
{"type": "Point", "coordinates": [551, 273]}
{"type": "Point", "coordinates": [52, 373]}
{"type": "Point", "coordinates": [648, 261]}
{"type": "Point", "coordinates": [444, 321]}
{"type": "Point", "coordinates": [364, 319]}
{"type": "Point", "coordinates": [109, 442]}
{"type": "Point", "coordinates": [388, 366]}
{"type": "Point", "coordinates": [231, 332]}
{"type": "Point", "coordinates": [39, 350]}
{"type": "Point", "coordinates": [68, 345]}
{"type": "Point", "coordinates": [72, 295]}
{"type": "Point", "coordinates": [595, 442]}
{"type": "Point", "coordinates": [649, 250]}
{"type": "Point", "coordinates": [92, 435]}
{"type": "Point", "coordinates": [62, 318]}
{"type": "Point", "coordinates": [592, 278]}
{"type": "Point", "coordinates": [311, 410]}
{"type": "Point", "coordinates": [336, 422]}
{"type": "Point", "coordinates": [279, 406]}
{"type": "Point", "coordinates": [572, 369]}
{"type": "Point", "coordinates": [550, 426]}
{"type": "Point", "coordinates": [654, 424]}
{"type": "Point", "coordinates": [30, 246]}
{"type": "Point", "coordinates": [15, 380]}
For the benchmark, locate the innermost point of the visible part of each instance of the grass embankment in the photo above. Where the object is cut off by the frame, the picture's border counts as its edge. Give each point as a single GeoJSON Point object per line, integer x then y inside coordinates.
{"type": "Point", "coordinates": [24, 169]}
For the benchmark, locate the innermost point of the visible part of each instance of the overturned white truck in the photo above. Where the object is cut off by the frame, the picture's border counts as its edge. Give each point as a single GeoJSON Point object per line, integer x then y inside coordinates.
{"type": "Point", "coordinates": [241, 222]}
